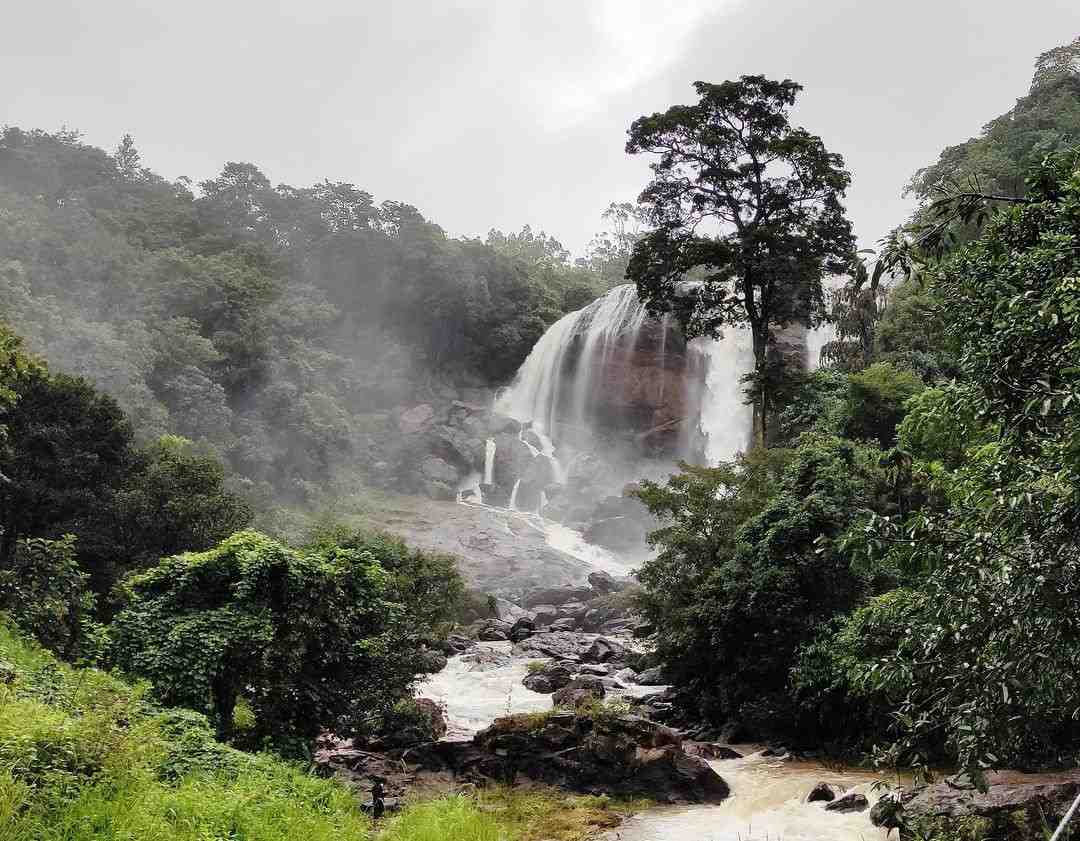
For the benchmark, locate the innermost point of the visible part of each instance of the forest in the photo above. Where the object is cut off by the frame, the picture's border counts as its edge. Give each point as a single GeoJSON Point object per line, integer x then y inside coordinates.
{"type": "Point", "coordinates": [888, 574]}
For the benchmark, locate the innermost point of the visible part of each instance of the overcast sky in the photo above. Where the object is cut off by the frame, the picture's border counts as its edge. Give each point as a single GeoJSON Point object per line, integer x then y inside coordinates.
{"type": "Point", "coordinates": [498, 113]}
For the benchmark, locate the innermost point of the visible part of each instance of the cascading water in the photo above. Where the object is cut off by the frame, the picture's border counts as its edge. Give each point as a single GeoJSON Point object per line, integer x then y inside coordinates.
{"type": "Point", "coordinates": [489, 461]}
{"type": "Point", "coordinates": [557, 389]}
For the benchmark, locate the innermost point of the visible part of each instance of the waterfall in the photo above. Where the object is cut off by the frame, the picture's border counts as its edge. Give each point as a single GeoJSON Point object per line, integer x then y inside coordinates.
{"type": "Point", "coordinates": [539, 394]}
{"type": "Point", "coordinates": [513, 496]}
{"type": "Point", "coordinates": [489, 461]}
{"type": "Point", "coordinates": [556, 388]}
{"type": "Point", "coordinates": [725, 420]}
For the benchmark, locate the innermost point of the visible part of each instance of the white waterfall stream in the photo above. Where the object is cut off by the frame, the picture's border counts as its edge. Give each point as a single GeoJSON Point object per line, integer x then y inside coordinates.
{"type": "Point", "coordinates": [554, 387]}
{"type": "Point", "coordinates": [489, 461]}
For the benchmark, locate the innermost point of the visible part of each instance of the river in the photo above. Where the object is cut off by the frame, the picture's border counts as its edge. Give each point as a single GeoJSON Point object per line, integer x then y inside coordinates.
{"type": "Point", "coordinates": [768, 793]}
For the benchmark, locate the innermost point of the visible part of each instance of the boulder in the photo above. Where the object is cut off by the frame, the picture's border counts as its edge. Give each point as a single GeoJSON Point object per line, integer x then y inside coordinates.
{"type": "Point", "coordinates": [887, 813]}
{"type": "Point", "coordinates": [821, 791]}
{"type": "Point", "coordinates": [495, 630]}
{"type": "Point", "coordinates": [565, 624]}
{"type": "Point", "coordinates": [603, 583]}
{"type": "Point", "coordinates": [558, 645]}
{"type": "Point", "coordinates": [582, 690]}
{"type": "Point", "coordinates": [457, 644]}
{"type": "Point", "coordinates": [623, 756]}
{"type": "Point", "coordinates": [508, 611]}
{"type": "Point", "coordinates": [544, 614]}
{"type": "Point", "coordinates": [415, 419]}
{"type": "Point", "coordinates": [652, 677]}
{"type": "Point", "coordinates": [604, 650]}
{"type": "Point", "coordinates": [1004, 794]}
{"type": "Point", "coordinates": [554, 676]}
{"type": "Point", "coordinates": [851, 801]}
{"type": "Point", "coordinates": [522, 629]}
{"type": "Point", "coordinates": [711, 750]}
{"type": "Point", "coordinates": [483, 659]}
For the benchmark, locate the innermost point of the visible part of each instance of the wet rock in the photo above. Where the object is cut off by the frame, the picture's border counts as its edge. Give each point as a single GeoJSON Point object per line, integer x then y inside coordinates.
{"type": "Point", "coordinates": [582, 690]}
{"type": "Point", "coordinates": [624, 756]}
{"type": "Point", "coordinates": [553, 676]}
{"type": "Point", "coordinates": [887, 812]}
{"type": "Point", "coordinates": [1004, 794]}
{"type": "Point", "coordinates": [415, 419]}
{"type": "Point", "coordinates": [852, 801]}
{"type": "Point", "coordinates": [559, 645]}
{"type": "Point", "coordinates": [457, 644]}
{"type": "Point", "coordinates": [565, 624]}
{"type": "Point", "coordinates": [457, 447]}
{"type": "Point", "coordinates": [495, 630]}
{"type": "Point", "coordinates": [604, 650]}
{"type": "Point", "coordinates": [652, 677]}
{"type": "Point", "coordinates": [596, 669]}
{"type": "Point", "coordinates": [711, 750]}
{"type": "Point", "coordinates": [821, 791]}
{"type": "Point", "coordinates": [483, 659]}
{"type": "Point", "coordinates": [522, 629]}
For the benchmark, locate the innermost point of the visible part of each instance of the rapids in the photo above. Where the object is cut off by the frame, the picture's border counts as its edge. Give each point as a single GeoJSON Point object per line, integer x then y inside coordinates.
{"type": "Point", "coordinates": [768, 793]}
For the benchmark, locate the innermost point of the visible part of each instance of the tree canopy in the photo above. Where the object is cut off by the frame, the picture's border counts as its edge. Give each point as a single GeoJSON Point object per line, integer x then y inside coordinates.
{"type": "Point", "coordinates": [746, 214]}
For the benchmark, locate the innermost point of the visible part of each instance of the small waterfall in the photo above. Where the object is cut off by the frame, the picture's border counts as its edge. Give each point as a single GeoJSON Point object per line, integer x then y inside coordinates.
{"type": "Point", "coordinates": [489, 461]}
{"type": "Point", "coordinates": [539, 394]}
{"type": "Point", "coordinates": [513, 496]}
{"type": "Point", "coordinates": [725, 419]}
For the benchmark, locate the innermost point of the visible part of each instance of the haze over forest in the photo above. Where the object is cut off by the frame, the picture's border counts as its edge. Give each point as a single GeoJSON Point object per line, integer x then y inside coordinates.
{"type": "Point", "coordinates": [495, 421]}
{"type": "Point", "coordinates": [500, 115]}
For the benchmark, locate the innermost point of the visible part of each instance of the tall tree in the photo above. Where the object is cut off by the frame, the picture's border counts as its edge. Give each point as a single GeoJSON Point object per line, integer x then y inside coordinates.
{"type": "Point", "coordinates": [748, 206]}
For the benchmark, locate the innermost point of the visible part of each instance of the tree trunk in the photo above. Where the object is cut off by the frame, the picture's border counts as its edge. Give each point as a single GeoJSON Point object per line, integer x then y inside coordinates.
{"type": "Point", "coordinates": [223, 693]}
{"type": "Point", "coordinates": [761, 399]}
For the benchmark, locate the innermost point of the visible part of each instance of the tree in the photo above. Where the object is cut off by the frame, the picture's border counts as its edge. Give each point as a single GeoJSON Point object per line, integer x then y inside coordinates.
{"type": "Point", "coordinates": [988, 670]}
{"type": "Point", "coordinates": [176, 501]}
{"type": "Point", "coordinates": [749, 567]}
{"type": "Point", "coordinates": [69, 448]}
{"type": "Point", "coordinates": [747, 207]}
{"type": "Point", "coordinates": [310, 639]}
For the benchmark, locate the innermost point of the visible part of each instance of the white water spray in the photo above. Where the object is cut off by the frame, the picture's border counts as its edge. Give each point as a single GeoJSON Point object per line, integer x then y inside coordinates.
{"type": "Point", "coordinates": [489, 461]}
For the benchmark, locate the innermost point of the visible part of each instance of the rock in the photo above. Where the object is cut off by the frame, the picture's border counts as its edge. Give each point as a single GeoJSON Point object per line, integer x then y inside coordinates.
{"type": "Point", "coordinates": [495, 630]}
{"type": "Point", "coordinates": [544, 614]}
{"type": "Point", "coordinates": [620, 534]}
{"type": "Point", "coordinates": [604, 650]}
{"type": "Point", "coordinates": [553, 676]}
{"type": "Point", "coordinates": [596, 669]}
{"type": "Point", "coordinates": [624, 756]}
{"type": "Point", "coordinates": [887, 813]}
{"type": "Point", "coordinates": [564, 624]}
{"type": "Point", "coordinates": [603, 583]}
{"type": "Point", "coordinates": [652, 677]}
{"type": "Point", "coordinates": [851, 801]}
{"type": "Point", "coordinates": [1003, 795]}
{"type": "Point", "coordinates": [711, 750]}
{"type": "Point", "coordinates": [522, 629]}
{"type": "Point", "coordinates": [558, 645]}
{"type": "Point", "coordinates": [457, 447]}
{"type": "Point", "coordinates": [626, 676]}
{"type": "Point", "coordinates": [582, 690]}
{"type": "Point", "coordinates": [415, 419]}
{"type": "Point", "coordinates": [821, 791]}
{"type": "Point", "coordinates": [508, 611]}
{"type": "Point", "coordinates": [484, 659]}
{"type": "Point", "coordinates": [557, 595]}
{"type": "Point", "coordinates": [435, 469]}
{"type": "Point", "coordinates": [457, 644]}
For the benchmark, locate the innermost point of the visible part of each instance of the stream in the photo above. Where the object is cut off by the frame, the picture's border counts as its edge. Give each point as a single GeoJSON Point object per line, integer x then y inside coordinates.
{"type": "Point", "coordinates": [768, 793]}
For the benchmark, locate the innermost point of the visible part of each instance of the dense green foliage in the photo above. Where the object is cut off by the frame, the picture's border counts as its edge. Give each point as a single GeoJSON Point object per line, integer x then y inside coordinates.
{"type": "Point", "coordinates": [71, 466]}
{"type": "Point", "coordinates": [310, 640]}
{"type": "Point", "coordinates": [734, 163]}
{"type": "Point", "coordinates": [275, 324]}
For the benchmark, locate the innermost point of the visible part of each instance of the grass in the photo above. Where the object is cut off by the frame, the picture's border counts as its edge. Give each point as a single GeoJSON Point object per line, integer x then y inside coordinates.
{"type": "Point", "coordinates": [534, 666]}
{"type": "Point", "coordinates": [85, 756]}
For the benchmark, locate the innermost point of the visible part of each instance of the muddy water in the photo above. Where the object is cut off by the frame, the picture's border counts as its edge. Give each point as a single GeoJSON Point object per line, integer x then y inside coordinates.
{"type": "Point", "coordinates": [767, 803]}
